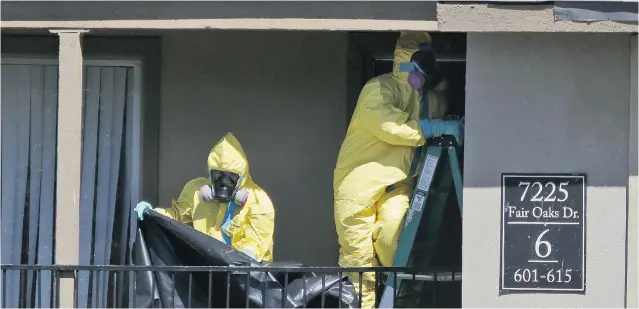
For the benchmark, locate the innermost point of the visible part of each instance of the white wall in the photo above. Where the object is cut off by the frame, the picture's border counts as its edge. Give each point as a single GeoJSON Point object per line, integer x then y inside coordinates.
{"type": "Point", "coordinates": [633, 184]}
{"type": "Point", "coordinates": [284, 96]}
{"type": "Point", "coordinates": [547, 103]}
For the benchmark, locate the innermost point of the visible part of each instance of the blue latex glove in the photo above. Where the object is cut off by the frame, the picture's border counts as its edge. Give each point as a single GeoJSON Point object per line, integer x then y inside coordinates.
{"type": "Point", "coordinates": [142, 208]}
{"type": "Point", "coordinates": [249, 253]}
{"type": "Point", "coordinates": [437, 128]}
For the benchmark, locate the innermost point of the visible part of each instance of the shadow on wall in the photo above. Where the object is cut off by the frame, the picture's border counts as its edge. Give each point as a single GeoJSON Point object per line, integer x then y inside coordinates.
{"type": "Point", "coordinates": [281, 105]}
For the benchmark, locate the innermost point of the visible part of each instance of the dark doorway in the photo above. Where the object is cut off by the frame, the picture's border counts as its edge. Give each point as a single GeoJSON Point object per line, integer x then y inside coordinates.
{"type": "Point", "coordinates": [371, 55]}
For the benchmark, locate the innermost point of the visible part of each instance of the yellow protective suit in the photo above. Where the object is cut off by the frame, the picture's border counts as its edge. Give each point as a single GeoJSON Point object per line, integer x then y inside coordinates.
{"type": "Point", "coordinates": [376, 153]}
{"type": "Point", "coordinates": [252, 225]}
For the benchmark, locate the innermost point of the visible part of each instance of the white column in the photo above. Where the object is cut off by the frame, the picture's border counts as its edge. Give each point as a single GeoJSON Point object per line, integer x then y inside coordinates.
{"type": "Point", "coordinates": [69, 159]}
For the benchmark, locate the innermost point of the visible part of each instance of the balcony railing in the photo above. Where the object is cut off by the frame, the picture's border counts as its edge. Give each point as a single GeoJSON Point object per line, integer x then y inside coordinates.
{"type": "Point", "coordinates": [211, 286]}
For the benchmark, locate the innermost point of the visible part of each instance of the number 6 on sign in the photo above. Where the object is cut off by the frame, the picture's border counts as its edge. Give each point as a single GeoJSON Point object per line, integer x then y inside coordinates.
{"type": "Point", "coordinates": [540, 242]}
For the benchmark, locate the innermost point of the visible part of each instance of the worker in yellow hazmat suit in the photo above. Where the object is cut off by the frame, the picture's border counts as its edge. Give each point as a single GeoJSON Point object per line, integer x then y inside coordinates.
{"type": "Point", "coordinates": [228, 205]}
{"type": "Point", "coordinates": [372, 189]}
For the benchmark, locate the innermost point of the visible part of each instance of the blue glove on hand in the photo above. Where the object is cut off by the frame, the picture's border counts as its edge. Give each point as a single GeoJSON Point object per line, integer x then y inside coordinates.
{"type": "Point", "coordinates": [437, 128]}
{"type": "Point", "coordinates": [141, 208]}
{"type": "Point", "coordinates": [249, 253]}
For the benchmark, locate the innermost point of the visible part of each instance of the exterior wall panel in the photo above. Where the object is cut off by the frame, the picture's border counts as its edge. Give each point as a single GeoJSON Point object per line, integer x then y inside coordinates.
{"type": "Point", "coordinates": [546, 103]}
{"type": "Point", "coordinates": [633, 184]}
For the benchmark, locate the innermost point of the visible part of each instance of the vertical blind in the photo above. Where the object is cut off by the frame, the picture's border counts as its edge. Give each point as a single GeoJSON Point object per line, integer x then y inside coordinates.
{"type": "Point", "coordinates": [29, 117]}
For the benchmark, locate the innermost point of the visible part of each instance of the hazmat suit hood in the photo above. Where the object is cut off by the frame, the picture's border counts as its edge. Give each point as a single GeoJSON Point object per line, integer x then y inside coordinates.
{"type": "Point", "coordinates": [407, 44]}
{"type": "Point", "coordinates": [247, 226]}
{"type": "Point", "coordinates": [228, 156]}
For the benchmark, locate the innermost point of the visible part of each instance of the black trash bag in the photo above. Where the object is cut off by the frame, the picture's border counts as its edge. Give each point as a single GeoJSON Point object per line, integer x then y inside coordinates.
{"type": "Point", "coordinates": [162, 241]}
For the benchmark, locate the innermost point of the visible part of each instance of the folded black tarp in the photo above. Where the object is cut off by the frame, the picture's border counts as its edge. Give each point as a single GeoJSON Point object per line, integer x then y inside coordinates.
{"type": "Point", "coordinates": [162, 241]}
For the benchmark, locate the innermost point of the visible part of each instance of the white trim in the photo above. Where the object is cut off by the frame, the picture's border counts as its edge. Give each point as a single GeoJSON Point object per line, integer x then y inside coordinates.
{"type": "Point", "coordinates": [329, 24]}
{"type": "Point", "coordinates": [513, 18]}
{"type": "Point", "coordinates": [58, 31]}
{"type": "Point", "coordinates": [136, 140]}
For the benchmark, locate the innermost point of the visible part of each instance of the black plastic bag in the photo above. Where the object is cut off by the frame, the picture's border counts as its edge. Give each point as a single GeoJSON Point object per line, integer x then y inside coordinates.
{"type": "Point", "coordinates": [162, 241]}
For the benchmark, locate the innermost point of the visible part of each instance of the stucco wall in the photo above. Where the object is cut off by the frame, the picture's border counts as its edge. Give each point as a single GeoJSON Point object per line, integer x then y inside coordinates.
{"type": "Point", "coordinates": [633, 183]}
{"type": "Point", "coordinates": [547, 103]}
{"type": "Point", "coordinates": [284, 96]}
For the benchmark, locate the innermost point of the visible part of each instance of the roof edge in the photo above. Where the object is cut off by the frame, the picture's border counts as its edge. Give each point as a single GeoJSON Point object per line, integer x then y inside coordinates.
{"type": "Point", "coordinates": [493, 17]}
